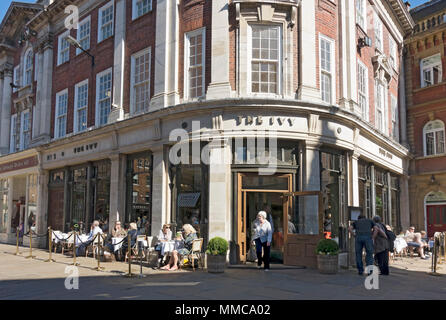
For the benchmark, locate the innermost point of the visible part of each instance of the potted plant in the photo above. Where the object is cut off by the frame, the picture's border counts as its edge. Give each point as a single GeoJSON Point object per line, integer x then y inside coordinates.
{"type": "Point", "coordinates": [327, 256]}
{"type": "Point", "coordinates": [216, 255]}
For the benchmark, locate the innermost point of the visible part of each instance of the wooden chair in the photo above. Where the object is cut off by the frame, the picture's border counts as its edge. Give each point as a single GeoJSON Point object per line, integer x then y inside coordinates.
{"type": "Point", "coordinates": [134, 250]}
{"type": "Point", "coordinates": [195, 252]}
{"type": "Point", "coordinates": [53, 239]}
{"type": "Point", "coordinates": [93, 247]}
{"type": "Point", "coordinates": [68, 244]}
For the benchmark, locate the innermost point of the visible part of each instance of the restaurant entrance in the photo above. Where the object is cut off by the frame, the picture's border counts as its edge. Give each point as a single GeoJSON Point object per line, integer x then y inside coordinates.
{"type": "Point", "coordinates": [257, 193]}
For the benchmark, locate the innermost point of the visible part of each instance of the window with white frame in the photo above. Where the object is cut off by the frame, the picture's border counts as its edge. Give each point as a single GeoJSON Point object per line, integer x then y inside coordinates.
{"type": "Point", "coordinates": [83, 34]}
{"type": "Point", "coordinates": [63, 48]}
{"type": "Point", "coordinates": [140, 8]}
{"type": "Point", "coordinates": [326, 58]}
{"type": "Point", "coordinates": [28, 69]}
{"type": "Point", "coordinates": [140, 82]}
{"type": "Point", "coordinates": [16, 78]}
{"type": "Point", "coordinates": [431, 71]}
{"type": "Point", "coordinates": [60, 128]}
{"type": "Point", "coordinates": [80, 106]}
{"type": "Point", "coordinates": [265, 59]}
{"type": "Point", "coordinates": [380, 118]}
{"type": "Point", "coordinates": [13, 136]}
{"type": "Point", "coordinates": [361, 14]}
{"type": "Point", "coordinates": [393, 50]}
{"type": "Point", "coordinates": [194, 64]}
{"type": "Point", "coordinates": [103, 96]}
{"type": "Point", "coordinates": [25, 130]}
{"type": "Point", "coordinates": [395, 117]}
{"type": "Point", "coordinates": [106, 20]}
{"type": "Point", "coordinates": [378, 33]}
{"type": "Point", "coordinates": [433, 133]}
{"type": "Point", "coordinates": [363, 86]}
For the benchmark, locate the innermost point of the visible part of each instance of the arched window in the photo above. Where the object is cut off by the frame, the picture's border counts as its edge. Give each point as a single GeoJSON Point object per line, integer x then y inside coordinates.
{"type": "Point", "coordinates": [433, 133]}
{"type": "Point", "coordinates": [28, 70]}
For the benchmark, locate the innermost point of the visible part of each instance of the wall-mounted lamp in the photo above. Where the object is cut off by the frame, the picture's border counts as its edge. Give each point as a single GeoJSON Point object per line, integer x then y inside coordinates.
{"type": "Point", "coordinates": [364, 42]}
{"type": "Point", "coordinates": [14, 86]}
{"type": "Point", "coordinates": [77, 45]}
{"type": "Point", "coordinates": [432, 179]}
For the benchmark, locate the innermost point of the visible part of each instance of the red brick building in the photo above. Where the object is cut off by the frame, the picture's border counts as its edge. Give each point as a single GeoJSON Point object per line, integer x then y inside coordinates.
{"type": "Point", "coordinates": [426, 103]}
{"type": "Point", "coordinates": [119, 80]}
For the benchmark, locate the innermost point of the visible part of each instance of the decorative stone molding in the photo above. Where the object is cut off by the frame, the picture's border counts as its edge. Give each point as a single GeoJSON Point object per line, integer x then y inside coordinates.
{"type": "Point", "coordinates": [313, 119]}
{"type": "Point", "coordinates": [44, 42]}
{"type": "Point", "coordinates": [382, 68]}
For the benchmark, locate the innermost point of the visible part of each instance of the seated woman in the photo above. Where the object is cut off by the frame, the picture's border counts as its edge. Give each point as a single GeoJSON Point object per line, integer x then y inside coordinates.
{"type": "Point", "coordinates": [133, 232]}
{"type": "Point", "coordinates": [117, 232]}
{"type": "Point", "coordinates": [164, 235]}
{"type": "Point", "coordinates": [182, 247]}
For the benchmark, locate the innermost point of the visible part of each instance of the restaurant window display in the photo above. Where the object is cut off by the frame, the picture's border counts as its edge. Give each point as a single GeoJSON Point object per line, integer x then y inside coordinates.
{"type": "Point", "coordinates": [56, 195]}
{"type": "Point", "coordinates": [139, 192]}
{"type": "Point", "coordinates": [4, 191]}
{"type": "Point", "coordinates": [382, 197]}
{"type": "Point", "coordinates": [32, 196]}
{"type": "Point", "coordinates": [333, 188]}
{"type": "Point", "coordinates": [190, 186]}
{"type": "Point", "coordinates": [364, 186]}
{"type": "Point", "coordinates": [395, 204]}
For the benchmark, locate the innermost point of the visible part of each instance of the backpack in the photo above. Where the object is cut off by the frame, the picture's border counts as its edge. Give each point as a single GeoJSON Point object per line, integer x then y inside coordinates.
{"type": "Point", "coordinates": [390, 238]}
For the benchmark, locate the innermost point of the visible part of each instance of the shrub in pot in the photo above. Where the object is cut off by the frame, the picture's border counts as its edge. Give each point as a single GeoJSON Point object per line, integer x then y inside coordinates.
{"type": "Point", "coordinates": [327, 256]}
{"type": "Point", "coordinates": [216, 255]}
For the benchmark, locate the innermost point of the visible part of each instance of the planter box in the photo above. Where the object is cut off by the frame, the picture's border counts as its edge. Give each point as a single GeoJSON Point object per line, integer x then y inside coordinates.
{"type": "Point", "coordinates": [327, 264]}
{"type": "Point", "coordinates": [216, 264]}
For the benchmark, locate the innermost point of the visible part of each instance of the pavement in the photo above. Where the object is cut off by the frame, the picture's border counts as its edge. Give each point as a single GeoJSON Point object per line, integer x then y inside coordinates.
{"type": "Point", "coordinates": [22, 278]}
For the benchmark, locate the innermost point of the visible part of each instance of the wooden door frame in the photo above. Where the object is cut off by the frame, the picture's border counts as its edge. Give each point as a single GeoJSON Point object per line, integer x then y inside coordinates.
{"type": "Point", "coordinates": [241, 209]}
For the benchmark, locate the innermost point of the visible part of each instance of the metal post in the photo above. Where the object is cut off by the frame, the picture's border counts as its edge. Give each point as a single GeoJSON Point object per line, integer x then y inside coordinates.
{"type": "Point", "coordinates": [140, 247]}
{"type": "Point", "coordinates": [434, 258]}
{"type": "Point", "coordinates": [50, 245]}
{"type": "Point", "coordinates": [17, 245]}
{"type": "Point", "coordinates": [30, 245]}
{"type": "Point", "coordinates": [74, 249]}
{"type": "Point", "coordinates": [99, 268]}
{"type": "Point", "coordinates": [129, 248]}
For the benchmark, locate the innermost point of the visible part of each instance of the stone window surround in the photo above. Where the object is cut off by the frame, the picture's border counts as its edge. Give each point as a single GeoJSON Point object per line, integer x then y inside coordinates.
{"type": "Point", "coordinates": [22, 132]}
{"type": "Point", "coordinates": [13, 134]}
{"type": "Point", "coordinates": [430, 66]}
{"type": "Point", "coordinates": [30, 67]}
{"type": "Point", "coordinates": [332, 65]}
{"type": "Point", "coordinates": [136, 55]}
{"type": "Point", "coordinates": [187, 35]}
{"type": "Point", "coordinates": [266, 14]}
{"type": "Point", "coordinates": [98, 77]}
{"type": "Point", "coordinates": [366, 93]}
{"type": "Point", "coordinates": [435, 154]}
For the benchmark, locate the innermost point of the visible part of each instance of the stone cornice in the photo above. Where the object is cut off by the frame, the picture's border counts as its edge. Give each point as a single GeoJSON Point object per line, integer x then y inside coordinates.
{"type": "Point", "coordinates": [235, 105]}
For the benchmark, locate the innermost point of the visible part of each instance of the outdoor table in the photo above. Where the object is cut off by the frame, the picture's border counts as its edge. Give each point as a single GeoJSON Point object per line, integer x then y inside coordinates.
{"type": "Point", "coordinates": [167, 246]}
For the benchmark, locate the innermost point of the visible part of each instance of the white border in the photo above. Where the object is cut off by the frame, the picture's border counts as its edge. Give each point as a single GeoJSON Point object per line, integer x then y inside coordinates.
{"type": "Point", "coordinates": [104, 7]}
{"type": "Point", "coordinates": [56, 132]}
{"type": "Point", "coordinates": [76, 88]}
{"type": "Point", "coordinates": [98, 76]}
{"type": "Point", "coordinates": [132, 76]}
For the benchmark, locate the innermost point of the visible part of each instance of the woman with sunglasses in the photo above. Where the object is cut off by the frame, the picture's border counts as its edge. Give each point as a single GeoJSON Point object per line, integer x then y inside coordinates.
{"type": "Point", "coordinates": [164, 235]}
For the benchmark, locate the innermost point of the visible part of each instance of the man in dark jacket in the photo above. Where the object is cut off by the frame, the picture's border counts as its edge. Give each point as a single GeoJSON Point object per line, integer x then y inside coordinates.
{"type": "Point", "coordinates": [363, 228]}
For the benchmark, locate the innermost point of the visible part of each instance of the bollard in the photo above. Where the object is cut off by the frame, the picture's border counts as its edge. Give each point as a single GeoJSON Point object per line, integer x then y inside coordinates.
{"type": "Point", "coordinates": [434, 259]}
{"type": "Point", "coordinates": [140, 246]}
{"type": "Point", "coordinates": [99, 268]}
{"type": "Point", "coordinates": [50, 245]}
{"type": "Point", "coordinates": [30, 245]}
{"type": "Point", "coordinates": [74, 250]}
{"type": "Point", "coordinates": [129, 250]}
{"type": "Point", "coordinates": [17, 245]}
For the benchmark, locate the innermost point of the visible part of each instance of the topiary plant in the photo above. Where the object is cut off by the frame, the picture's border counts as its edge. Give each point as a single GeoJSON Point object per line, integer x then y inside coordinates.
{"type": "Point", "coordinates": [217, 247]}
{"type": "Point", "coordinates": [327, 246]}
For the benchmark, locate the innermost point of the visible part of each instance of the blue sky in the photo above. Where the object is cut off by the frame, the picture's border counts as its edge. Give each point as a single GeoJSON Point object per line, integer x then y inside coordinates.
{"type": "Point", "coordinates": [4, 4]}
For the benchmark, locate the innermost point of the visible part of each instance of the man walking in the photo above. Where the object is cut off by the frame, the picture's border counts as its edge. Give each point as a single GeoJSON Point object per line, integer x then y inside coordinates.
{"type": "Point", "coordinates": [363, 239]}
{"type": "Point", "coordinates": [381, 245]}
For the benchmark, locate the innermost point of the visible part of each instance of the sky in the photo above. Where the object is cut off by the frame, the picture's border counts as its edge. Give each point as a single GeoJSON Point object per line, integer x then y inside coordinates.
{"type": "Point", "coordinates": [4, 4]}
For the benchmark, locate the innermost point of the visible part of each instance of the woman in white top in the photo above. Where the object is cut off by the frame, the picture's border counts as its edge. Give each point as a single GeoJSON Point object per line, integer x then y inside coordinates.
{"type": "Point", "coordinates": [164, 235]}
{"type": "Point", "coordinates": [262, 236]}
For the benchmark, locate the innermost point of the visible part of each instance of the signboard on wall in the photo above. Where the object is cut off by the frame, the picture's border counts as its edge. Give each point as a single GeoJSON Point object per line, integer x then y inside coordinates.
{"type": "Point", "coordinates": [18, 164]}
